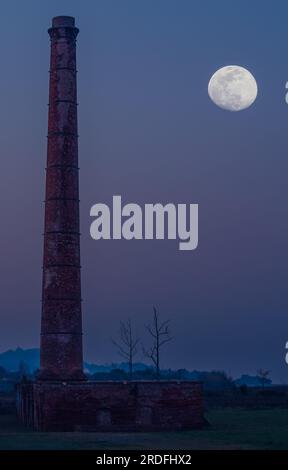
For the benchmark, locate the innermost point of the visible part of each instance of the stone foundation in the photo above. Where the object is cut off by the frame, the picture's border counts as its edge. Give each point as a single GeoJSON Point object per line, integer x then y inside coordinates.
{"type": "Point", "coordinates": [111, 406]}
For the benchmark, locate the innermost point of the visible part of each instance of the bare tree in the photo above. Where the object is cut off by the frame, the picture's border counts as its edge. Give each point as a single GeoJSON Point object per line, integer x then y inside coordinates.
{"type": "Point", "coordinates": [263, 375]}
{"type": "Point", "coordinates": [127, 344]}
{"type": "Point", "coordinates": [160, 333]}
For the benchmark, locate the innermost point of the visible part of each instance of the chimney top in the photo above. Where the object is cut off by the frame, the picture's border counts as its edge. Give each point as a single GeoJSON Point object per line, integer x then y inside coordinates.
{"type": "Point", "coordinates": [63, 22]}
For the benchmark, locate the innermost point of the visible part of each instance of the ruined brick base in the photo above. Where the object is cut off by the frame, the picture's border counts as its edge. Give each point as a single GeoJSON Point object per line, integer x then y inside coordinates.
{"type": "Point", "coordinates": [111, 406]}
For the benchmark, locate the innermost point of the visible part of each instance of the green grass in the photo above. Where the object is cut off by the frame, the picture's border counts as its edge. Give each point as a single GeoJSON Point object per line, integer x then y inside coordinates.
{"type": "Point", "coordinates": [229, 429]}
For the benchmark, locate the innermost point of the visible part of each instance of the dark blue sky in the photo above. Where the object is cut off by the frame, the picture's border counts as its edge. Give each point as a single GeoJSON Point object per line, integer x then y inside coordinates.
{"type": "Point", "coordinates": [149, 132]}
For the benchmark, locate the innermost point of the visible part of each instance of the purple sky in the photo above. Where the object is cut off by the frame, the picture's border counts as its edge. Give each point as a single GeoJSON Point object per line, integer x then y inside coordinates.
{"type": "Point", "coordinates": [149, 132]}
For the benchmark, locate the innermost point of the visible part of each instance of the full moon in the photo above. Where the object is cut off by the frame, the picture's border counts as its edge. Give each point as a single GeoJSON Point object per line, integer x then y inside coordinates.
{"type": "Point", "coordinates": [233, 88]}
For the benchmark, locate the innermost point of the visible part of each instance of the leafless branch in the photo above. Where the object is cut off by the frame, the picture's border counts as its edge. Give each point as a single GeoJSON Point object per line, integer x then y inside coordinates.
{"type": "Point", "coordinates": [127, 344]}
{"type": "Point", "coordinates": [160, 333]}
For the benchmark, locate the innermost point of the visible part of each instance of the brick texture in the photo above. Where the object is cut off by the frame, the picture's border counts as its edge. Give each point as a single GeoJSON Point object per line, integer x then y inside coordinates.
{"type": "Point", "coordinates": [111, 406]}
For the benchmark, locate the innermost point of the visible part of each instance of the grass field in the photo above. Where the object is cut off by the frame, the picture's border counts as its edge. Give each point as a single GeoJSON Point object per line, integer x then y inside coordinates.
{"type": "Point", "coordinates": [229, 429]}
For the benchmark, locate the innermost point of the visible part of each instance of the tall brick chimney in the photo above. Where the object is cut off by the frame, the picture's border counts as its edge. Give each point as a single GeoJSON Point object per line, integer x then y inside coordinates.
{"type": "Point", "coordinates": [51, 403]}
{"type": "Point", "coordinates": [61, 322]}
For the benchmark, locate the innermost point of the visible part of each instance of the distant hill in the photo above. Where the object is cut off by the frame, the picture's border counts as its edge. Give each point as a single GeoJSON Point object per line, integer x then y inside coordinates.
{"type": "Point", "coordinates": [94, 368]}
{"type": "Point", "coordinates": [12, 358]}
{"type": "Point", "coordinates": [16, 359]}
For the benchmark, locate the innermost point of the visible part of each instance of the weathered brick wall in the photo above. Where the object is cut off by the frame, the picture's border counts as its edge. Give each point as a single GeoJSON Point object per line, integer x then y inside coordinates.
{"type": "Point", "coordinates": [115, 406]}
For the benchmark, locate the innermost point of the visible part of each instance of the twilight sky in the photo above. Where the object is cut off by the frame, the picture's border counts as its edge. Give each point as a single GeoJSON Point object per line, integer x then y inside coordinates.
{"type": "Point", "coordinates": [149, 132]}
